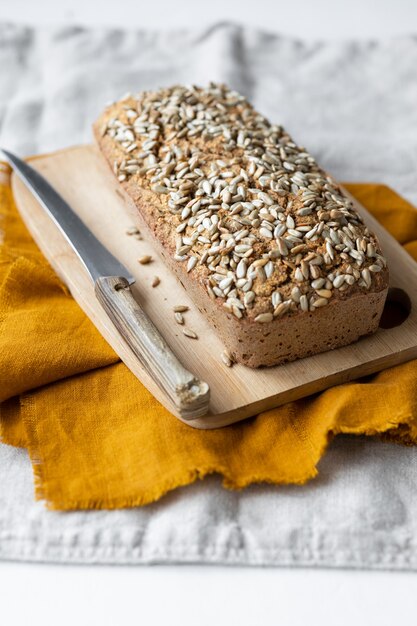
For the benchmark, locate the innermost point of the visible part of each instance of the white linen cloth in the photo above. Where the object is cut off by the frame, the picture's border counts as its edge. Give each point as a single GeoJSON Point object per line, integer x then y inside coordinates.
{"type": "Point", "coordinates": [354, 105]}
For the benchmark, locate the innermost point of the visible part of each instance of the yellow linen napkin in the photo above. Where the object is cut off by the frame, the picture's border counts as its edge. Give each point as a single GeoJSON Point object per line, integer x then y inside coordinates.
{"type": "Point", "coordinates": [98, 439]}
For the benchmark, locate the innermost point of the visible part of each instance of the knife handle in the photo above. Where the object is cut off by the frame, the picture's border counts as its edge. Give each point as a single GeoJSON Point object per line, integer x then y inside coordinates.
{"type": "Point", "coordinates": [189, 395]}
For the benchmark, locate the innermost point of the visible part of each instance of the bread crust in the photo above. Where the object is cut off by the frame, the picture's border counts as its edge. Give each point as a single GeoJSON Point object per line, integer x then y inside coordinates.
{"type": "Point", "coordinates": [348, 315]}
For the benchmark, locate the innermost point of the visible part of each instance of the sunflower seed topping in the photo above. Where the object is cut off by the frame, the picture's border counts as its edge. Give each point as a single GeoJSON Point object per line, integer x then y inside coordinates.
{"type": "Point", "coordinates": [320, 302]}
{"type": "Point", "coordinates": [264, 317]}
{"type": "Point", "coordinates": [258, 222]}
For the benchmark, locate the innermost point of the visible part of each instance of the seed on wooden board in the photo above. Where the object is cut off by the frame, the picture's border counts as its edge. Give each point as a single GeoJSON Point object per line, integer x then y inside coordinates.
{"type": "Point", "coordinates": [190, 333]}
{"type": "Point", "coordinates": [145, 259]}
{"type": "Point", "coordinates": [179, 318]}
{"type": "Point", "coordinates": [156, 280]}
{"type": "Point", "coordinates": [180, 308]}
{"type": "Point", "coordinates": [226, 358]}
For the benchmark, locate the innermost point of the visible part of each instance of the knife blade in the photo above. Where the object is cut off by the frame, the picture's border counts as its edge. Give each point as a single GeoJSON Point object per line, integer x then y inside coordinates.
{"type": "Point", "coordinates": [97, 260]}
{"type": "Point", "coordinates": [188, 395]}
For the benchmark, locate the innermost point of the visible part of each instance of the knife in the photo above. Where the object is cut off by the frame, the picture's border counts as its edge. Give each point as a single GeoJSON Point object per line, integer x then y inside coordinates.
{"type": "Point", "coordinates": [112, 281]}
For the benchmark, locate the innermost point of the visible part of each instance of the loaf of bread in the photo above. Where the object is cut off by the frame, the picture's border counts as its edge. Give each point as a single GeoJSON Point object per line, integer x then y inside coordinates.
{"type": "Point", "coordinates": [268, 245]}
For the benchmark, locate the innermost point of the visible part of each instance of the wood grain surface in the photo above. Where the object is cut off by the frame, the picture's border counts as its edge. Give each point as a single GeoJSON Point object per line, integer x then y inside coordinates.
{"type": "Point", "coordinates": [238, 392]}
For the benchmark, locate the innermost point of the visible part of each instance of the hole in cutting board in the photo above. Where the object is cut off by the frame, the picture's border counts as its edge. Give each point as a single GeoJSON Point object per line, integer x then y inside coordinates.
{"type": "Point", "coordinates": [397, 308]}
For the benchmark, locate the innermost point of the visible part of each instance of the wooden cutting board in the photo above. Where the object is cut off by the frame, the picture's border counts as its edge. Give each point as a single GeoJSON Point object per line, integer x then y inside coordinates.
{"type": "Point", "coordinates": [238, 392]}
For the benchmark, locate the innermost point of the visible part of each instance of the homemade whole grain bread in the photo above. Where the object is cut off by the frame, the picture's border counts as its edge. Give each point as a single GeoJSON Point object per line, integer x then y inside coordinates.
{"type": "Point", "coordinates": [267, 244]}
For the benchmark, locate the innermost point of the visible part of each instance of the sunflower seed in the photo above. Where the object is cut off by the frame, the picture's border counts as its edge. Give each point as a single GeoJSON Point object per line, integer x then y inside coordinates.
{"type": "Point", "coordinates": [225, 283]}
{"type": "Point", "coordinates": [320, 302]}
{"type": "Point", "coordinates": [296, 294]}
{"type": "Point", "coordinates": [318, 283]}
{"type": "Point", "coordinates": [265, 233]}
{"type": "Point", "coordinates": [192, 262]}
{"type": "Point", "coordinates": [281, 309]}
{"type": "Point", "coordinates": [241, 269]}
{"type": "Point", "coordinates": [338, 281]}
{"type": "Point", "coordinates": [179, 318]}
{"type": "Point", "coordinates": [145, 259]}
{"type": "Point", "coordinates": [366, 275]}
{"type": "Point", "coordinates": [226, 358]}
{"type": "Point", "coordinates": [370, 250]}
{"type": "Point", "coordinates": [324, 293]}
{"type": "Point", "coordinates": [248, 298]}
{"type": "Point", "coordinates": [276, 299]}
{"type": "Point", "coordinates": [263, 318]}
{"type": "Point", "coordinates": [299, 277]}
{"type": "Point", "coordinates": [190, 333]}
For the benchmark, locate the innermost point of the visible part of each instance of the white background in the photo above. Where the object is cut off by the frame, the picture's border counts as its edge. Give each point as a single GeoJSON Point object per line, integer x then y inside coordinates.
{"type": "Point", "coordinates": [330, 19]}
{"type": "Point", "coordinates": [38, 594]}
